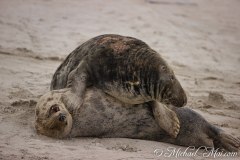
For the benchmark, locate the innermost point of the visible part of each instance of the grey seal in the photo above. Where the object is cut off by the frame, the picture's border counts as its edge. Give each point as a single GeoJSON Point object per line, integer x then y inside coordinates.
{"type": "Point", "coordinates": [127, 69]}
{"type": "Point", "coordinates": [101, 115]}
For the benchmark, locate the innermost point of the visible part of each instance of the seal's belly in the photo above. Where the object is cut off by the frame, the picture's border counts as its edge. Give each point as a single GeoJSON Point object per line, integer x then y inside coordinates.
{"type": "Point", "coordinates": [129, 93]}
{"type": "Point", "coordinates": [104, 116]}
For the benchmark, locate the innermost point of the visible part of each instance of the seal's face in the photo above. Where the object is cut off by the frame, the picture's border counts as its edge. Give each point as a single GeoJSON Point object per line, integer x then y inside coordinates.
{"type": "Point", "coordinates": [52, 117]}
{"type": "Point", "coordinates": [172, 91]}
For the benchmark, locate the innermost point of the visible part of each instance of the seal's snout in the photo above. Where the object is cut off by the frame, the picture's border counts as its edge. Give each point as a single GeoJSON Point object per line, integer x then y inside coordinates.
{"type": "Point", "coordinates": [61, 117]}
{"type": "Point", "coordinates": [179, 101]}
{"type": "Point", "coordinates": [178, 97]}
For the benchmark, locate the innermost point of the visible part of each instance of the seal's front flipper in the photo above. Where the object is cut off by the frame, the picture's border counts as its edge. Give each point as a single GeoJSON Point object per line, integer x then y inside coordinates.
{"type": "Point", "coordinates": [166, 118]}
{"type": "Point", "coordinates": [77, 81]}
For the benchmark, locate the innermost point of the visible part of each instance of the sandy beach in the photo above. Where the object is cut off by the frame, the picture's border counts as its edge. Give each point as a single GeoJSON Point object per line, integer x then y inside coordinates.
{"type": "Point", "coordinates": [199, 39]}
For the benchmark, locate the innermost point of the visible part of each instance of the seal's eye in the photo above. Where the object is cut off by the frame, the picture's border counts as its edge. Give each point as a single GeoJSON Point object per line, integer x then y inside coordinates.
{"type": "Point", "coordinates": [163, 68]}
{"type": "Point", "coordinates": [54, 108]}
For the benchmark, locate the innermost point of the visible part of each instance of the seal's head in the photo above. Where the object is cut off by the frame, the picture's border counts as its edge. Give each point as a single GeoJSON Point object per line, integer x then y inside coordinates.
{"type": "Point", "coordinates": [171, 90]}
{"type": "Point", "coordinates": [52, 117]}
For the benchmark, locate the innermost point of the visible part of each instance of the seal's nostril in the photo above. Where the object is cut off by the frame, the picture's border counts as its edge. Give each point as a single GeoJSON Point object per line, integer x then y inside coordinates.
{"type": "Point", "coordinates": [62, 117]}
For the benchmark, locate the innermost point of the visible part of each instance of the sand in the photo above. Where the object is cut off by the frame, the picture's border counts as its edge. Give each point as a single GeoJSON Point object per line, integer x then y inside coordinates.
{"type": "Point", "coordinates": [199, 39]}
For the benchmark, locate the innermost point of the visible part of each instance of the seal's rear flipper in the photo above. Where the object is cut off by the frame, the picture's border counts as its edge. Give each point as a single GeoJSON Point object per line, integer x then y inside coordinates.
{"type": "Point", "coordinates": [223, 140]}
{"type": "Point", "coordinates": [166, 118]}
{"type": "Point", "coordinates": [227, 142]}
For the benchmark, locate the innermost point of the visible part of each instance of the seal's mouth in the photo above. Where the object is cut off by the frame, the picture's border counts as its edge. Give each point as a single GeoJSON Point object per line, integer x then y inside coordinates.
{"type": "Point", "coordinates": [177, 102]}
{"type": "Point", "coordinates": [57, 122]}
{"type": "Point", "coordinates": [175, 97]}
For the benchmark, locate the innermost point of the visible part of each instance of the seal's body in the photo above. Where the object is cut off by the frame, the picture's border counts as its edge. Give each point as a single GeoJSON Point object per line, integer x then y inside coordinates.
{"type": "Point", "coordinates": [127, 69]}
{"type": "Point", "coordinates": [124, 67]}
{"type": "Point", "coordinates": [104, 116]}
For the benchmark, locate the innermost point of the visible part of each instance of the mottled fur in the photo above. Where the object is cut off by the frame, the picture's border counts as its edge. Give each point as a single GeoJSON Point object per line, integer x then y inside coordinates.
{"type": "Point", "coordinates": [48, 123]}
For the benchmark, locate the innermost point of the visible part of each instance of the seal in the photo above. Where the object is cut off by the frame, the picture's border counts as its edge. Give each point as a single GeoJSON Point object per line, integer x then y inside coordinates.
{"type": "Point", "coordinates": [102, 115]}
{"type": "Point", "coordinates": [127, 69]}
{"type": "Point", "coordinates": [124, 67]}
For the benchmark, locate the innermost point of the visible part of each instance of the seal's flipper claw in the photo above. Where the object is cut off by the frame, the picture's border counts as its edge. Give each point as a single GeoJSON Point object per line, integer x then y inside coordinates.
{"type": "Point", "coordinates": [166, 119]}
